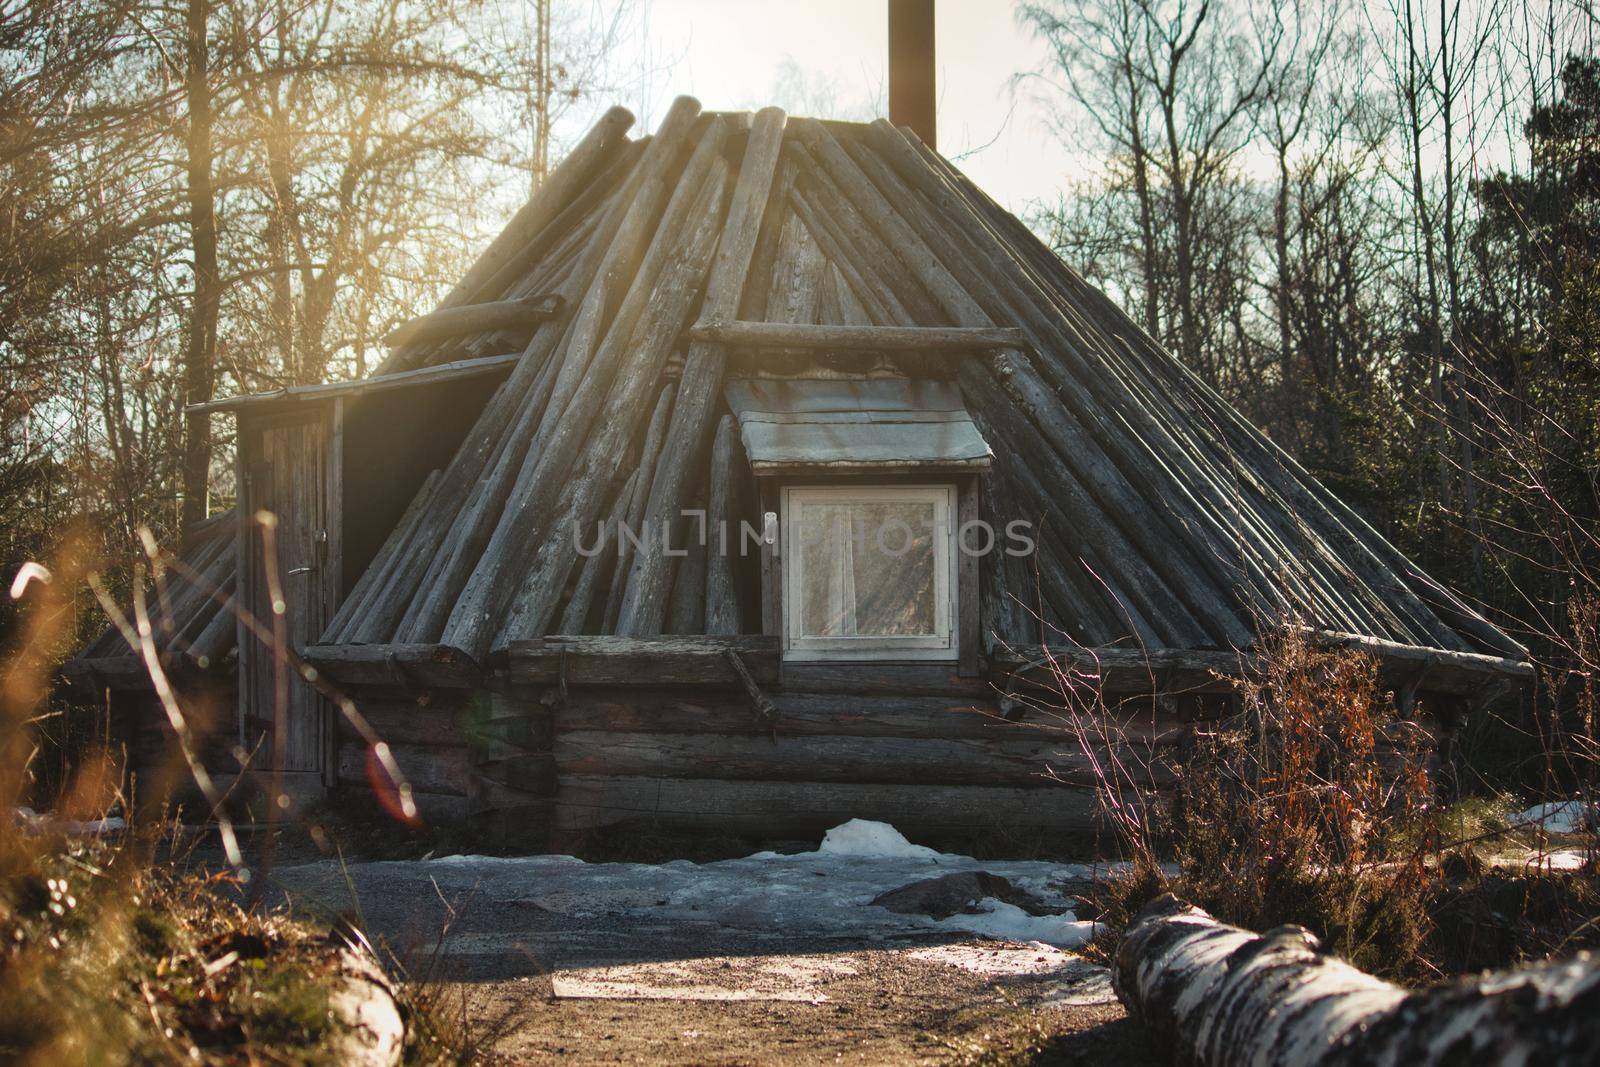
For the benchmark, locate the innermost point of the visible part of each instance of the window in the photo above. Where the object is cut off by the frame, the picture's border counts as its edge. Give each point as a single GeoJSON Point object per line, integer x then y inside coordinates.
{"type": "Point", "coordinates": [869, 572]}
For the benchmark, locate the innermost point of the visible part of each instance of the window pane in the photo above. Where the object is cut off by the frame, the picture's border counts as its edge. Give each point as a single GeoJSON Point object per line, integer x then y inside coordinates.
{"type": "Point", "coordinates": [867, 569]}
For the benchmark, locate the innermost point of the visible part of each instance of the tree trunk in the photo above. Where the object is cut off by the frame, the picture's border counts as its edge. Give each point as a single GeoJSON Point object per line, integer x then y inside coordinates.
{"type": "Point", "coordinates": [200, 348]}
{"type": "Point", "coordinates": [1215, 994]}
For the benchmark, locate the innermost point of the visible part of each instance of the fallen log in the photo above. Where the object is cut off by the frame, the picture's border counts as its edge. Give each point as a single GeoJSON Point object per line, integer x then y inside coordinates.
{"type": "Point", "coordinates": [1214, 994]}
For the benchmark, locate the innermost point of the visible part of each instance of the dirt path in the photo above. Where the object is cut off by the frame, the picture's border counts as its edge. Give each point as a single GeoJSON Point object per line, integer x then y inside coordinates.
{"type": "Point", "coordinates": [769, 959]}
{"type": "Point", "coordinates": [894, 1013]}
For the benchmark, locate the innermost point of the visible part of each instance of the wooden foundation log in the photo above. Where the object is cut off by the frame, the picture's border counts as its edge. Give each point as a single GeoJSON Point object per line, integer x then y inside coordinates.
{"type": "Point", "coordinates": [775, 809]}
{"type": "Point", "coordinates": [688, 660]}
{"type": "Point", "coordinates": [1028, 760]}
{"type": "Point", "coordinates": [1217, 995]}
{"type": "Point", "coordinates": [438, 770]}
{"type": "Point", "coordinates": [399, 666]}
{"type": "Point", "coordinates": [711, 712]}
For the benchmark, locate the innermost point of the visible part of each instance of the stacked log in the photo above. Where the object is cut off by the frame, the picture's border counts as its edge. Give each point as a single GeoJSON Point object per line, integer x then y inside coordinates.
{"type": "Point", "coordinates": [1216, 995]}
{"type": "Point", "coordinates": [191, 605]}
{"type": "Point", "coordinates": [644, 605]}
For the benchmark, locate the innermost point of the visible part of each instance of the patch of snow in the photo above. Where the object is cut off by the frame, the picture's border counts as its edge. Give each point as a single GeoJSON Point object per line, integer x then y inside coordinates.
{"type": "Point", "coordinates": [1075, 981]}
{"type": "Point", "coordinates": [863, 837]}
{"type": "Point", "coordinates": [788, 978]}
{"type": "Point", "coordinates": [1569, 859]}
{"type": "Point", "coordinates": [1559, 817]}
{"type": "Point", "coordinates": [1011, 923]}
{"type": "Point", "coordinates": [997, 960]}
{"type": "Point", "coordinates": [33, 821]}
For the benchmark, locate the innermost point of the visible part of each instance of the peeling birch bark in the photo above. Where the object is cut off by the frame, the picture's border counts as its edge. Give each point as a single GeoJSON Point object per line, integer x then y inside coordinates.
{"type": "Point", "coordinates": [1214, 994]}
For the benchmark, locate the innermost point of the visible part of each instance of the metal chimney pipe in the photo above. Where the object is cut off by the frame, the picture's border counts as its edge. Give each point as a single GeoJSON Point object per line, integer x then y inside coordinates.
{"type": "Point", "coordinates": [911, 89]}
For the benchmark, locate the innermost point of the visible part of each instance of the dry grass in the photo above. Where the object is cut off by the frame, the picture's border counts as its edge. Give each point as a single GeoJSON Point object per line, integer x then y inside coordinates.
{"type": "Point", "coordinates": [1311, 802]}
{"type": "Point", "coordinates": [114, 947]}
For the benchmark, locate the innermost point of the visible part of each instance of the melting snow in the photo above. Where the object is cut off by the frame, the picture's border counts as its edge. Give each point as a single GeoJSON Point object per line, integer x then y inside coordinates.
{"type": "Point", "coordinates": [1560, 817]}
{"type": "Point", "coordinates": [861, 837]}
{"type": "Point", "coordinates": [1009, 922]}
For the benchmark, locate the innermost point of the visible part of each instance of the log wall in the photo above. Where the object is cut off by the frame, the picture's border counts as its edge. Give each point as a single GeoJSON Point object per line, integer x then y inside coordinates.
{"type": "Point", "coordinates": [698, 758]}
{"type": "Point", "coordinates": [533, 763]}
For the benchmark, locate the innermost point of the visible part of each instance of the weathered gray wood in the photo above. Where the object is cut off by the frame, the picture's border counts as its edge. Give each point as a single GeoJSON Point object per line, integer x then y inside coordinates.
{"type": "Point", "coordinates": [526, 774]}
{"type": "Point", "coordinates": [866, 444]}
{"type": "Point", "coordinates": [639, 660]}
{"type": "Point", "coordinates": [475, 522]}
{"type": "Point", "coordinates": [1131, 670]}
{"type": "Point", "coordinates": [475, 318]}
{"type": "Point", "coordinates": [460, 370]}
{"type": "Point", "coordinates": [435, 809]}
{"type": "Point", "coordinates": [883, 679]}
{"type": "Point", "coordinates": [644, 605]}
{"type": "Point", "coordinates": [1229, 521]}
{"type": "Point", "coordinates": [1203, 410]}
{"type": "Point", "coordinates": [400, 720]}
{"type": "Point", "coordinates": [651, 457]}
{"type": "Point", "coordinates": [634, 709]}
{"type": "Point", "coordinates": [1172, 553]}
{"type": "Point", "coordinates": [433, 769]}
{"type": "Point", "coordinates": [401, 666]}
{"type": "Point", "coordinates": [1215, 995]}
{"type": "Point", "coordinates": [805, 808]}
{"type": "Point", "coordinates": [859, 338]}
{"type": "Point", "coordinates": [1030, 760]}
{"type": "Point", "coordinates": [969, 627]}
{"type": "Point", "coordinates": [582, 603]}
{"type": "Point", "coordinates": [450, 541]}
{"type": "Point", "coordinates": [686, 608]}
{"type": "Point", "coordinates": [722, 609]}
{"type": "Point", "coordinates": [526, 612]}
{"type": "Point", "coordinates": [554, 488]}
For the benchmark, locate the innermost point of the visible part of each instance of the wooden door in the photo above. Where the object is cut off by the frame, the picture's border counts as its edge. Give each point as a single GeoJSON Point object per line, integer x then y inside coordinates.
{"type": "Point", "coordinates": [289, 467]}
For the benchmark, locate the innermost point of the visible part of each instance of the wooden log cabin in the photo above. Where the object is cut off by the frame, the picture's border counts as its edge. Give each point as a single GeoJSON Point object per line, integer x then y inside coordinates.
{"type": "Point", "coordinates": [587, 548]}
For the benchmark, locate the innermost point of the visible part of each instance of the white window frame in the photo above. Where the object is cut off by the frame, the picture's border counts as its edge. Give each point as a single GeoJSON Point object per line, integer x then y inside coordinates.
{"type": "Point", "coordinates": [942, 645]}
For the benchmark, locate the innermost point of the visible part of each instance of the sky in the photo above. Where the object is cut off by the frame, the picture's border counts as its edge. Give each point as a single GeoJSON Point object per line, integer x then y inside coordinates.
{"type": "Point", "coordinates": [829, 58]}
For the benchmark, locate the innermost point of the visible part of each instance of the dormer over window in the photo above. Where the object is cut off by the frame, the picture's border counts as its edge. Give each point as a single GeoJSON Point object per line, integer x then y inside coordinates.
{"type": "Point", "coordinates": [866, 485]}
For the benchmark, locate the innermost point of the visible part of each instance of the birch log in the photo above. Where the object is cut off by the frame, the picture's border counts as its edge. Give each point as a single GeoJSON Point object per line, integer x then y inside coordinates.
{"type": "Point", "coordinates": [1214, 994]}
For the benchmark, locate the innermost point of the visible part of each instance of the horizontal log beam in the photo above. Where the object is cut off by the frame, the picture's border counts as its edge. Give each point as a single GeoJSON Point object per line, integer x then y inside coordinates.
{"type": "Point", "coordinates": [1023, 762]}
{"type": "Point", "coordinates": [622, 710]}
{"type": "Point", "coordinates": [396, 666]}
{"type": "Point", "coordinates": [688, 660]}
{"type": "Point", "coordinates": [1122, 670]}
{"type": "Point", "coordinates": [861, 338]}
{"type": "Point", "coordinates": [776, 809]}
{"type": "Point", "coordinates": [475, 318]}
{"type": "Point", "coordinates": [444, 771]}
{"type": "Point", "coordinates": [460, 370]}
{"type": "Point", "coordinates": [647, 711]}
